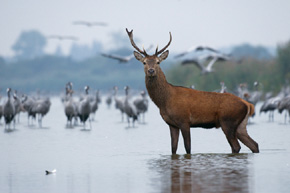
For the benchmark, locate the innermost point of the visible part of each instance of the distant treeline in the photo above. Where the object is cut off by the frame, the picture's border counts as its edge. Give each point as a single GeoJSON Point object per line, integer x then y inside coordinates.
{"type": "Point", "coordinates": [51, 72]}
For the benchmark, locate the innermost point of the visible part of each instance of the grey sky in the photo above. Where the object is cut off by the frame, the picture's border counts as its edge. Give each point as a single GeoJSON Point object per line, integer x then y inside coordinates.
{"type": "Point", "coordinates": [216, 23]}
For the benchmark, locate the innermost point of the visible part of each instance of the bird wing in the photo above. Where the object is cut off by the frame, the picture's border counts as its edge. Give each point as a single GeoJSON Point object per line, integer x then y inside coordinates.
{"type": "Point", "coordinates": [223, 57]}
{"type": "Point", "coordinates": [137, 102]}
{"type": "Point", "coordinates": [133, 108]}
{"type": "Point", "coordinates": [219, 56]}
{"type": "Point", "coordinates": [186, 52]}
{"type": "Point", "coordinates": [210, 64]}
{"type": "Point", "coordinates": [120, 58]}
{"type": "Point", "coordinates": [193, 61]}
{"type": "Point", "coordinates": [201, 48]}
{"type": "Point", "coordinates": [196, 48]}
{"type": "Point", "coordinates": [180, 55]}
{"type": "Point", "coordinates": [89, 23]}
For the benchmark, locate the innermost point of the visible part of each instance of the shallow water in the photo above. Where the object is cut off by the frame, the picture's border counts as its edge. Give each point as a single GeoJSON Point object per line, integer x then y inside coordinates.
{"type": "Point", "coordinates": [110, 157]}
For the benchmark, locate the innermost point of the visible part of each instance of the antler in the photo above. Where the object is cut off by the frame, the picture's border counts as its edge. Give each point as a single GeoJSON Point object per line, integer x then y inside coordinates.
{"type": "Point", "coordinates": [130, 34]}
{"type": "Point", "coordinates": [163, 49]}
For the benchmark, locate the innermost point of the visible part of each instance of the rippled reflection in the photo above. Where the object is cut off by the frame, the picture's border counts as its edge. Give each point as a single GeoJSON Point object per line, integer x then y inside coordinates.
{"type": "Point", "coordinates": [202, 173]}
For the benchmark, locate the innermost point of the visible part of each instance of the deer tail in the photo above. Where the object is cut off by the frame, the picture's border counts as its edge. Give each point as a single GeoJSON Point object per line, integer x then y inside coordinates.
{"type": "Point", "coordinates": [252, 109]}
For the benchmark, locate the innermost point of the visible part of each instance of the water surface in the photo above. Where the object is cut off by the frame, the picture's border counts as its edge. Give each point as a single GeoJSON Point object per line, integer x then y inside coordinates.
{"type": "Point", "coordinates": [110, 157]}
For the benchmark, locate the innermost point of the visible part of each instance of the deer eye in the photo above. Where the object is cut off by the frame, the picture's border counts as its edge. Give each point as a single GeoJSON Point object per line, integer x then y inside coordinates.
{"type": "Point", "coordinates": [144, 63]}
{"type": "Point", "coordinates": [158, 62]}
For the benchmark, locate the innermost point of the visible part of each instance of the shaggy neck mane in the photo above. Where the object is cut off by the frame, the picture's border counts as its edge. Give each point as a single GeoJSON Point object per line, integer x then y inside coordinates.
{"type": "Point", "coordinates": [158, 89]}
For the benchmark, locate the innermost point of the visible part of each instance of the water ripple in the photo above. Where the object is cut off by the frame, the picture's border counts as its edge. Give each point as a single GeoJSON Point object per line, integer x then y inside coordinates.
{"type": "Point", "coordinates": [202, 173]}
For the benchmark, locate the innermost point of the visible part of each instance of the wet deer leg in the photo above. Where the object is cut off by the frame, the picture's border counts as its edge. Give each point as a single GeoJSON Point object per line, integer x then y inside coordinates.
{"type": "Point", "coordinates": [174, 132]}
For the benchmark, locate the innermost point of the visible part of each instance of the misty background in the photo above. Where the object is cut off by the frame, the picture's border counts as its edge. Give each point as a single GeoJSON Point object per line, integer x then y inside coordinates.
{"type": "Point", "coordinates": [33, 56]}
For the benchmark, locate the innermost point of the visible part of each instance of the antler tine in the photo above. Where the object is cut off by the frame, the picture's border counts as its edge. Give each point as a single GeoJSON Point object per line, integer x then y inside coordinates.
{"type": "Point", "coordinates": [130, 34]}
{"type": "Point", "coordinates": [163, 49]}
{"type": "Point", "coordinates": [156, 51]}
{"type": "Point", "coordinates": [145, 53]}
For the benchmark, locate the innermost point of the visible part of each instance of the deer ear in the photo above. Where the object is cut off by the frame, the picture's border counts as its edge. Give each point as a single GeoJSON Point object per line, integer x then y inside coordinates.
{"type": "Point", "coordinates": [164, 55]}
{"type": "Point", "coordinates": [138, 56]}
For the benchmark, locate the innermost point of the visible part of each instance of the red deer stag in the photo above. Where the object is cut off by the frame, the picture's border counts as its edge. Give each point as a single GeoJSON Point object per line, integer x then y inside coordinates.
{"type": "Point", "coordinates": [182, 108]}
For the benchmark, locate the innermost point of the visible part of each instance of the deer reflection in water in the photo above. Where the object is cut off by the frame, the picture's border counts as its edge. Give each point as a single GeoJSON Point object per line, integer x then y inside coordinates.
{"type": "Point", "coordinates": [202, 173]}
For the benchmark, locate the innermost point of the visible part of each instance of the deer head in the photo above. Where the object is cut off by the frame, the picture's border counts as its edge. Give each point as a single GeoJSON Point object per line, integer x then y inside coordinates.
{"type": "Point", "coordinates": [151, 62]}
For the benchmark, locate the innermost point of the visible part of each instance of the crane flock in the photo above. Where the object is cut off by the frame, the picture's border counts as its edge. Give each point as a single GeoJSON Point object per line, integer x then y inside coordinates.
{"type": "Point", "coordinates": [82, 109]}
{"type": "Point", "coordinates": [35, 107]}
{"type": "Point", "coordinates": [78, 110]}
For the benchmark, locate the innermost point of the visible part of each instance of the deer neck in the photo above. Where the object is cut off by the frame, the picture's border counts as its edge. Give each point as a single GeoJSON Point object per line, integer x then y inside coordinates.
{"type": "Point", "coordinates": [158, 89]}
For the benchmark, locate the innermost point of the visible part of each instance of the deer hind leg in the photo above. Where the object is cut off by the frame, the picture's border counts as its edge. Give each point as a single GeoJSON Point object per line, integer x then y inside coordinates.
{"type": "Point", "coordinates": [174, 133]}
{"type": "Point", "coordinates": [231, 134]}
{"type": "Point", "coordinates": [244, 137]}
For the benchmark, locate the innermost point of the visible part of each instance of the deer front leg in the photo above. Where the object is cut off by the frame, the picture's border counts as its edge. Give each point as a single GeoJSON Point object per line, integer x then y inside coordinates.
{"type": "Point", "coordinates": [174, 133]}
{"type": "Point", "coordinates": [186, 139]}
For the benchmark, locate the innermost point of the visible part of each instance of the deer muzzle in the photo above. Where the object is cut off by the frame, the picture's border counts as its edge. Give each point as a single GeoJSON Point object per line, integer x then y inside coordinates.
{"type": "Point", "coordinates": [151, 71]}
